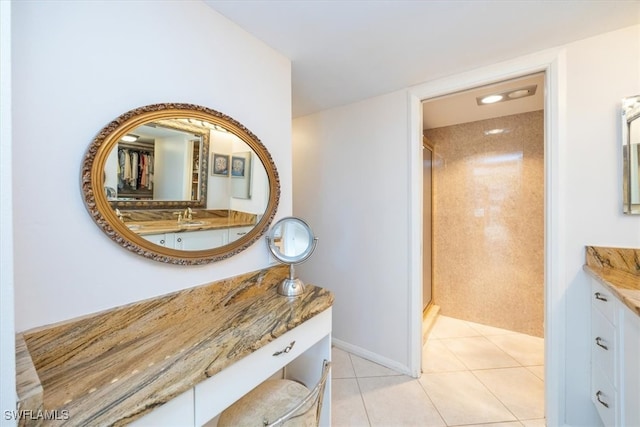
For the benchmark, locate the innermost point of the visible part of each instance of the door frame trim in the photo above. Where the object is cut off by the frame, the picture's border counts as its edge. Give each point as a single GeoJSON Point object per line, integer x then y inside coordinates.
{"type": "Point", "coordinates": [427, 145]}
{"type": "Point", "coordinates": [553, 63]}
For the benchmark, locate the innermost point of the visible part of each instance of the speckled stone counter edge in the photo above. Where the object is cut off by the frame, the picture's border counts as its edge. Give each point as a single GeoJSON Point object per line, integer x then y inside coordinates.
{"type": "Point", "coordinates": [28, 387]}
{"type": "Point", "coordinates": [619, 270]}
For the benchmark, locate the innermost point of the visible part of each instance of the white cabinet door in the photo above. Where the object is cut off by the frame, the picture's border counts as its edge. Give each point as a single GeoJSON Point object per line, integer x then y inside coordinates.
{"type": "Point", "coordinates": [202, 239]}
{"type": "Point", "coordinates": [237, 232]}
{"type": "Point", "coordinates": [630, 378]}
{"type": "Point", "coordinates": [160, 239]}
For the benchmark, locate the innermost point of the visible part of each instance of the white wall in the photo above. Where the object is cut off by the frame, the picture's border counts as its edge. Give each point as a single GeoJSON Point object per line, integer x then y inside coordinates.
{"type": "Point", "coordinates": [78, 65]}
{"type": "Point", "coordinates": [350, 184]}
{"type": "Point", "coordinates": [172, 158]}
{"type": "Point", "coordinates": [218, 191]}
{"type": "Point", "coordinates": [600, 72]}
{"type": "Point", "coordinates": [7, 329]}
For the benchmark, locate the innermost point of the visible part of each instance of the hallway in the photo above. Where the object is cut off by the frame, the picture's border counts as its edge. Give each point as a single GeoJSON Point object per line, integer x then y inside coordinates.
{"type": "Point", "coordinates": [473, 375]}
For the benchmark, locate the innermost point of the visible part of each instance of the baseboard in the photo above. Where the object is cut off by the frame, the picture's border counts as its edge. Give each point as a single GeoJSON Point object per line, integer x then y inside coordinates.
{"type": "Point", "coordinates": [371, 356]}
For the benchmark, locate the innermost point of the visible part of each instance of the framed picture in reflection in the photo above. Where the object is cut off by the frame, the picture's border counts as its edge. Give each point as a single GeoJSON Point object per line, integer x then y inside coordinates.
{"type": "Point", "coordinates": [238, 165]}
{"type": "Point", "coordinates": [219, 164]}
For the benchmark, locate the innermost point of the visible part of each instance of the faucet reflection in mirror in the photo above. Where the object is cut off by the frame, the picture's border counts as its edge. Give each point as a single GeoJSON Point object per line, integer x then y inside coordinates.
{"type": "Point", "coordinates": [631, 154]}
{"type": "Point", "coordinates": [156, 196]}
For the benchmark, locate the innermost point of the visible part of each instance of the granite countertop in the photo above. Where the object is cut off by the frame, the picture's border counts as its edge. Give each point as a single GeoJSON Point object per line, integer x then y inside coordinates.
{"type": "Point", "coordinates": [113, 367]}
{"type": "Point", "coordinates": [618, 269]}
{"type": "Point", "coordinates": [144, 228]}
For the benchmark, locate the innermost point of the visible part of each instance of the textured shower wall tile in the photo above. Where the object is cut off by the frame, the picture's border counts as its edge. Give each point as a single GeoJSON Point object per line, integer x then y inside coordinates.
{"type": "Point", "coordinates": [489, 222]}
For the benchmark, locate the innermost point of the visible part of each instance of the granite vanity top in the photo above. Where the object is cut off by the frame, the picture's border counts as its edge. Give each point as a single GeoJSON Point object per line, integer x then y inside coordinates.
{"type": "Point", "coordinates": [618, 269]}
{"type": "Point", "coordinates": [157, 222]}
{"type": "Point", "coordinates": [144, 228]}
{"type": "Point", "coordinates": [113, 367]}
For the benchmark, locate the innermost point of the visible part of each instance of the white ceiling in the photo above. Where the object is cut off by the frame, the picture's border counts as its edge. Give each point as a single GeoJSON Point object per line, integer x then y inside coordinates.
{"type": "Point", "coordinates": [348, 50]}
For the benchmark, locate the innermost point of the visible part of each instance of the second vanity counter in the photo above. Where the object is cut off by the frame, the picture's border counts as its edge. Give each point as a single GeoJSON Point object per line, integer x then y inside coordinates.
{"type": "Point", "coordinates": [113, 367]}
{"type": "Point", "coordinates": [145, 223]}
{"type": "Point", "coordinates": [615, 333]}
{"type": "Point", "coordinates": [619, 271]}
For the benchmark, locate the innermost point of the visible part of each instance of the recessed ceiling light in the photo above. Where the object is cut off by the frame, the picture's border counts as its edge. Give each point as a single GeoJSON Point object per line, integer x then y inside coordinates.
{"type": "Point", "coordinates": [508, 95]}
{"type": "Point", "coordinates": [518, 93]}
{"type": "Point", "coordinates": [491, 99]}
{"type": "Point", "coordinates": [129, 138]}
{"type": "Point", "coordinates": [496, 131]}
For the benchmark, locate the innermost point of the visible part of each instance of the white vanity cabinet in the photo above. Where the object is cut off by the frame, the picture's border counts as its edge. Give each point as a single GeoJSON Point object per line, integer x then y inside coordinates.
{"type": "Point", "coordinates": [615, 361]}
{"type": "Point", "coordinates": [237, 232]}
{"type": "Point", "coordinates": [201, 239]}
{"type": "Point", "coordinates": [300, 352]}
{"type": "Point", "coordinates": [191, 240]}
{"type": "Point", "coordinates": [630, 378]}
{"type": "Point", "coordinates": [159, 239]}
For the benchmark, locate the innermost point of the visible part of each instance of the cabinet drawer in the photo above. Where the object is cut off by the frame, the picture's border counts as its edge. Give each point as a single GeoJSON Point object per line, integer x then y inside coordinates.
{"type": "Point", "coordinates": [603, 300]}
{"type": "Point", "coordinates": [218, 392]}
{"type": "Point", "coordinates": [604, 397]}
{"type": "Point", "coordinates": [237, 232]}
{"type": "Point", "coordinates": [603, 345]}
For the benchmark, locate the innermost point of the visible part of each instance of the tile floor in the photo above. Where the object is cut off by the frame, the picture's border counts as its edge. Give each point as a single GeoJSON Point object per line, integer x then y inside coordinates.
{"type": "Point", "coordinates": [472, 375]}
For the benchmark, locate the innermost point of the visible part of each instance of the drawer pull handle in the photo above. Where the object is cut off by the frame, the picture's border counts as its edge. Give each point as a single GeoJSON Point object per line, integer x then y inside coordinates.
{"type": "Point", "coordinates": [287, 349]}
{"type": "Point", "coordinates": [599, 343]}
{"type": "Point", "coordinates": [601, 297]}
{"type": "Point", "coordinates": [602, 402]}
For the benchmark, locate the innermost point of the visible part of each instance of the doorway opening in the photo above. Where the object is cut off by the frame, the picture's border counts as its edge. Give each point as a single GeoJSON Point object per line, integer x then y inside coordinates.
{"type": "Point", "coordinates": [484, 203]}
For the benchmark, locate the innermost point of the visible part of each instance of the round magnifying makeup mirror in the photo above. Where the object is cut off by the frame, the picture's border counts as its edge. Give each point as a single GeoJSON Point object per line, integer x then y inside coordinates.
{"type": "Point", "coordinates": [291, 241]}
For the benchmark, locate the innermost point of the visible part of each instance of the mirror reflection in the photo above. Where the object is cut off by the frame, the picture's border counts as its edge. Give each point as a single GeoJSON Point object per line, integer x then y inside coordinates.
{"type": "Point", "coordinates": [291, 241]}
{"type": "Point", "coordinates": [631, 154]}
{"type": "Point", "coordinates": [180, 183]}
{"type": "Point", "coordinates": [159, 161]}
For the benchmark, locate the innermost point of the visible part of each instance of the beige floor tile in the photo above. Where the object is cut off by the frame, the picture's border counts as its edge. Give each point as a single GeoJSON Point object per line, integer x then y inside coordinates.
{"type": "Point", "coordinates": [436, 357]}
{"type": "Point", "coordinates": [538, 371]}
{"type": "Point", "coordinates": [479, 353]}
{"type": "Point", "coordinates": [341, 366]}
{"type": "Point", "coordinates": [366, 368]}
{"type": "Point", "coordinates": [347, 408]}
{"type": "Point", "coordinates": [398, 401]}
{"type": "Point", "coordinates": [509, 424]}
{"type": "Point", "coordinates": [500, 392]}
{"type": "Point", "coordinates": [462, 399]}
{"type": "Point", "coordinates": [526, 349]}
{"type": "Point", "coordinates": [448, 327]}
{"type": "Point", "coordinates": [487, 330]}
{"type": "Point", "coordinates": [518, 388]}
{"type": "Point", "coordinates": [534, 423]}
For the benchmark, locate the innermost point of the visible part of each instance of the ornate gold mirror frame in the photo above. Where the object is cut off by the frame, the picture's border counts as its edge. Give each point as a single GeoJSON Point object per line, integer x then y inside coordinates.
{"type": "Point", "coordinates": [107, 218]}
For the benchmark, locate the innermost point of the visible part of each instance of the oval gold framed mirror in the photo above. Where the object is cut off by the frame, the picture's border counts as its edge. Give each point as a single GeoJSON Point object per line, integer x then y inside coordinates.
{"type": "Point", "coordinates": [180, 183]}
